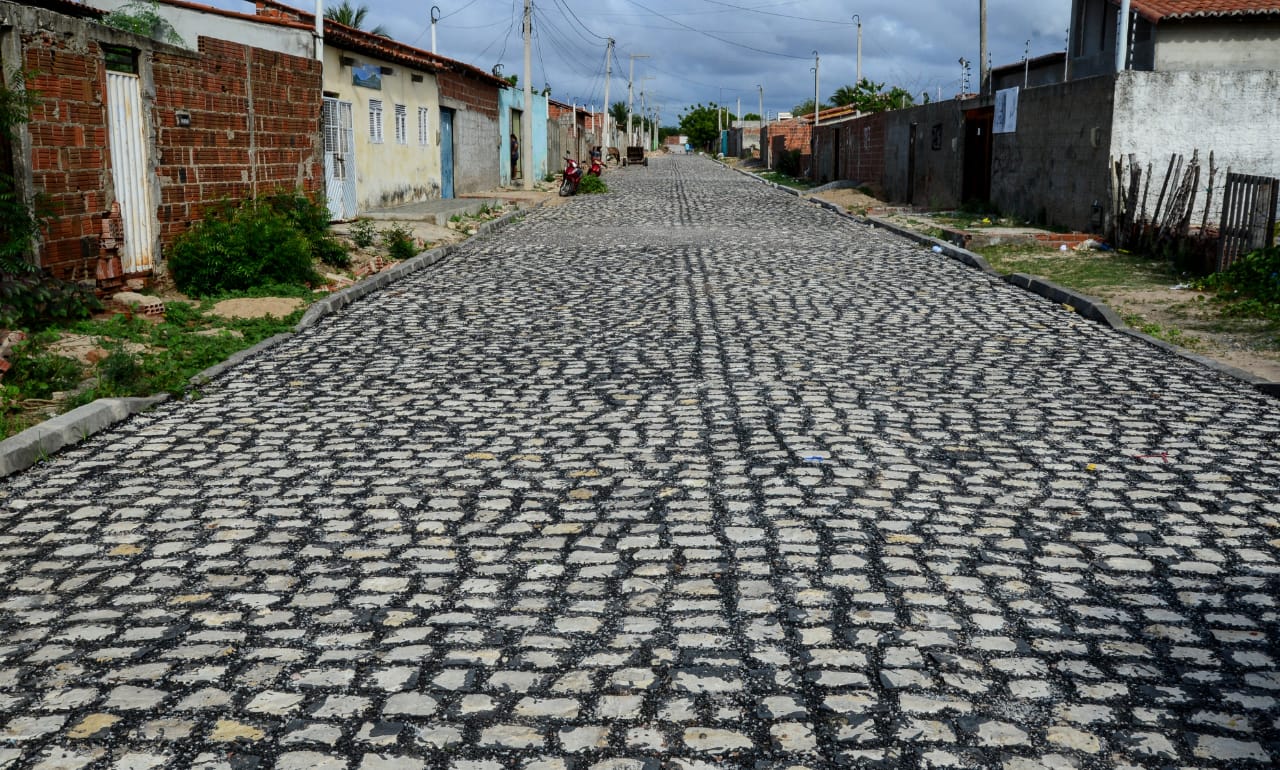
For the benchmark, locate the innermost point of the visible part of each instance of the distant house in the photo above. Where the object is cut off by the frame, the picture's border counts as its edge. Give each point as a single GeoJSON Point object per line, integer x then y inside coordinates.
{"type": "Point", "coordinates": [420, 125]}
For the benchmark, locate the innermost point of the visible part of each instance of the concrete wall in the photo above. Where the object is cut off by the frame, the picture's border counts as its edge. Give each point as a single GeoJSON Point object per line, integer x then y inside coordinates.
{"type": "Point", "coordinates": [938, 171]}
{"type": "Point", "coordinates": [389, 173]}
{"type": "Point", "coordinates": [1218, 45]}
{"type": "Point", "coordinates": [477, 144]}
{"type": "Point", "coordinates": [1055, 165]}
{"type": "Point", "coordinates": [1232, 114]}
{"type": "Point", "coordinates": [513, 99]}
{"type": "Point", "coordinates": [191, 23]}
{"type": "Point", "coordinates": [851, 150]}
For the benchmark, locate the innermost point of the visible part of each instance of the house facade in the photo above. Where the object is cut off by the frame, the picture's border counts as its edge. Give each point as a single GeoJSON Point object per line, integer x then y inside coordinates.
{"type": "Point", "coordinates": [512, 114]}
{"type": "Point", "coordinates": [419, 125]}
{"type": "Point", "coordinates": [134, 138]}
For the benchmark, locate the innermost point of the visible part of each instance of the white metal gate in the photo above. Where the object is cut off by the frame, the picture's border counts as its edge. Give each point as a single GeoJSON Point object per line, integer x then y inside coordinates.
{"type": "Point", "coordinates": [339, 159]}
{"type": "Point", "coordinates": [129, 174]}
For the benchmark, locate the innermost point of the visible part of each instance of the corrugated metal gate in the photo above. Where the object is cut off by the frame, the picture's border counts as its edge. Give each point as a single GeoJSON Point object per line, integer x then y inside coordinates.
{"type": "Point", "coordinates": [129, 170]}
{"type": "Point", "coordinates": [1248, 216]}
{"type": "Point", "coordinates": [339, 160]}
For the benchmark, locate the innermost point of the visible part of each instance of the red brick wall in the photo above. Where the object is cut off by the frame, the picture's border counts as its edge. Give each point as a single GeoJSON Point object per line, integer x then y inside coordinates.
{"type": "Point", "coordinates": [215, 159]}
{"type": "Point", "coordinates": [789, 135]}
{"type": "Point", "coordinates": [68, 131]}
{"type": "Point", "coordinates": [222, 154]}
{"type": "Point", "coordinates": [861, 150]}
{"type": "Point", "coordinates": [478, 96]}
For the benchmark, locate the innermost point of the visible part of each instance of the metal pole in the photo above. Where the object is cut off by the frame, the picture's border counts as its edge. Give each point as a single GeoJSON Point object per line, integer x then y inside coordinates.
{"type": "Point", "coordinates": [763, 156]}
{"type": "Point", "coordinates": [816, 100]}
{"type": "Point", "coordinates": [858, 19]}
{"type": "Point", "coordinates": [320, 31]}
{"type": "Point", "coordinates": [1122, 38]}
{"type": "Point", "coordinates": [608, 75]}
{"type": "Point", "coordinates": [526, 119]}
{"type": "Point", "coordinates": [1026, 64]}
{"type": "Point", "coordinates": [435, 17]}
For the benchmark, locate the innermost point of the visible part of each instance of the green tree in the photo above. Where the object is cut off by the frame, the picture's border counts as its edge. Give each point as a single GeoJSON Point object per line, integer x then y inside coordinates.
{"type": "Point", "coordinates": [618, 111]}
{"type": "Point", "coordinates": [868, 96]}
{"type": "Point", "coordinates": [699, 122]}
{"type": "Point", "coordinates": [806, 108]}
{"type": "Point", "coordinates": [142, 17]}
{"type": "Point", "coordinates": [751, 116]}
{"type": "Point", "coordinates": [353, 16]}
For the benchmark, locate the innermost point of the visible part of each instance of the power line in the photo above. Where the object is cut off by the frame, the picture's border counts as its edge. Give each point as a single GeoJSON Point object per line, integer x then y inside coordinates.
{"type": "Point", "coordinates": [717, 38]}
{"type": "Point", "coordinates": [565, 8]}
{"type": "Point", "coordinates": [779, 15]}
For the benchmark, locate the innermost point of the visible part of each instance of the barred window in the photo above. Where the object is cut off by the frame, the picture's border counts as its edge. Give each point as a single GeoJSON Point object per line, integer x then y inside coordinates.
{"type": "Point", "coordinates": [402, 124]}
{"type": "Point", "coordinates": [375, 121]}
{"type": "Point", "coordinates": [422, 126]}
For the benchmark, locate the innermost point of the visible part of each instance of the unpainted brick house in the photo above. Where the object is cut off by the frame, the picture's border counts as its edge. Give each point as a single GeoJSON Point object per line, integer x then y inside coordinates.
{"type": "Point", "coordinates": [134, 139]}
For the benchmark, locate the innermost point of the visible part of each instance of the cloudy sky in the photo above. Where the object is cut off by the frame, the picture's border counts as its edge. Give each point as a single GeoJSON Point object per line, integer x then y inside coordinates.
{"type": "Point", "coordinates": [720, 50]}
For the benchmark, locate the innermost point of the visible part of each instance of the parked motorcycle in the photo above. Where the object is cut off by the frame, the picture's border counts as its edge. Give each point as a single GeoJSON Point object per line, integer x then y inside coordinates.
{"type": "Point", "coordinates": [572, 176]}
{"type": "Point", "coordinates": [596, 168]}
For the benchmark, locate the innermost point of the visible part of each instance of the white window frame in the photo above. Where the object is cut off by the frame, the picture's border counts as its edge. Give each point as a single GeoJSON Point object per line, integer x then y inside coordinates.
{"type": "Point", "coordinates": [424, 127]}
{"type": "Point", "coordinates": [375, 121]}
{"type": "Point", "coordinates": [402, 124]}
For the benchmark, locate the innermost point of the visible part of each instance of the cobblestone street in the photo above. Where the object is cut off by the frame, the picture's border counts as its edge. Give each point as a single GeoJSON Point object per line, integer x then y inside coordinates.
{"type": "Point", "coordinates": [694, 475]}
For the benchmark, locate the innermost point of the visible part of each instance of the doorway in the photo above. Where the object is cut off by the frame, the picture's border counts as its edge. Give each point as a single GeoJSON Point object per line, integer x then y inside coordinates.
{"type": "Point", "coordinates": [446, 152]}
{"type": "Point", "coordinates": [339, 160]}
{"type": "Point", "coordinates": [976, 185]}
{"type": "Point", "coordinates": [129, 169]}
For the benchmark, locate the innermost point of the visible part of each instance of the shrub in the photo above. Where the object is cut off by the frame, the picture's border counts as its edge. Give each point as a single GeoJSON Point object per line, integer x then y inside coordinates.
{"type": "Point", "coordinates": [789, 163]}
{"type": "Point", "coordinates": [37, 373]}
{"type": "Point", "coordinates": [33, 300]}
{"type": "Point", "coordinates": [592, 185]}
{"type": "Point", "coordinates": [363, 233]}
{"type": "Point", "coordinates": [311, 217]}
{"type": "Point", "coordinates": [120, 372]}
{"type": "Point", "coordinates": [1256, 276]}
{"type": "Point", "coordinates": [253, 246]}
{"type": "Point", "coordinates": [399, 242]}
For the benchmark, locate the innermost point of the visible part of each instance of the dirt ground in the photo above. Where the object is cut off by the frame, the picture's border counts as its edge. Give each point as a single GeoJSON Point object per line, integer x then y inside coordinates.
{"type": "Point", "coordinates": [850, 200]}
{"type": "Point", "coordinates": [1190, 312]}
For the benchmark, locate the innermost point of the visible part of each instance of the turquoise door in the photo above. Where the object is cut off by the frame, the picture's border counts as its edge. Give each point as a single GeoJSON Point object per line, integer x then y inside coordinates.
{"type": "Point", "coordinates": [446, 153]}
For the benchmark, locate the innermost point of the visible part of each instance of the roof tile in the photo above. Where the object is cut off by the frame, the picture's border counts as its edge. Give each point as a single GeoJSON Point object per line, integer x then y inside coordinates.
{"type": "Point", "coordinates": [1158, 10]}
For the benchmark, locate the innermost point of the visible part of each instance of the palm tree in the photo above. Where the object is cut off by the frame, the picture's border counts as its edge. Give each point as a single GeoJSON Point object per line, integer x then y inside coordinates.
{"type": "Point", "coordinates": [353, 16]}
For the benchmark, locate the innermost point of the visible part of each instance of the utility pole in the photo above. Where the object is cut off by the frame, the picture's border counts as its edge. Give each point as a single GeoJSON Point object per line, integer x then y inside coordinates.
{"type": "Point", "coordinates": [608, 75]}
{"type": "Point", "coordinates": [526, 120]}
{"type": "Point", "coordinates": [320, 32]}
{"type": "Point", "coordinates": [816, 100]}
{"type": "Point", "coordinates": [764, 155]}
{"type": "Point", "coordinates": [858, 19]}
{"type": "Point", "coordinates": [739, 109]}
{"type": "Point", "coordinates": [631, 76]}
{"type": "Point", "coordinates": [435, 17]}
{"type": "Point", "coordinates": [983, 66]}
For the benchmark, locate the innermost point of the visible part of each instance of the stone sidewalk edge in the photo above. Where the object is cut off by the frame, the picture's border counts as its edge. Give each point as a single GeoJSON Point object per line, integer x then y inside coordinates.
{"type": "Point", "coordinates": [1089, 307]}
{"type": "Point", "coordinates": [39, 442]}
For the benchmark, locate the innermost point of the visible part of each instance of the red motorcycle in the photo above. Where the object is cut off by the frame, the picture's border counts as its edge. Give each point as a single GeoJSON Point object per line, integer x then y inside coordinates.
{"type": "Point", "coordinates": [572, 176]}
{"type": "Point", "coordinates": [596, 168]}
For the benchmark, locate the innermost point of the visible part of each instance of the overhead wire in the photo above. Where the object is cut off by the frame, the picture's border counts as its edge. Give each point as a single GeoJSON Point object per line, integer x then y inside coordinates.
{"type": "Point", "coordinates": [717, 37]}
{"type": "Point", "coordinates": [779, 15]}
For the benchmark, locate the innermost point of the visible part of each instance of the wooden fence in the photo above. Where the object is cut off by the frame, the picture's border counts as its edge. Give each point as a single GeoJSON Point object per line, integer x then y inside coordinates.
{"type": "Point", "coordinates": [1248, 216]}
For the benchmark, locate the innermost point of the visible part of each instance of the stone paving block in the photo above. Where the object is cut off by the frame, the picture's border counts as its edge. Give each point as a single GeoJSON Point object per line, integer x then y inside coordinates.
{"type": "Point", "coordinates": [694, 475]}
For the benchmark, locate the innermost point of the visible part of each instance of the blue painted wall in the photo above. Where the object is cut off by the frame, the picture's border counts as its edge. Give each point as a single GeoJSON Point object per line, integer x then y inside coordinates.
{"type": "Point", "coordinates": [512, 99]}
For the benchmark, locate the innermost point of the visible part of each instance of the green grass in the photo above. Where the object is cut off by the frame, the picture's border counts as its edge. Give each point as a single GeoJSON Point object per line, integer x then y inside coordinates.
{"type": "Point", "coordinates": [172, 351]}
{"type": "Point", "coordinates": [787, 181]}
{"type": "Point", "coordinates": [1088, 272]}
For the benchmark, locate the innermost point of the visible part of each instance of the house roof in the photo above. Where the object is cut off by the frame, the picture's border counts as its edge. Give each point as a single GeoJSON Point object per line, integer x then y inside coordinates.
{"type": "Point", "coordinates": [68, 7]}
{"type": "Point", "coordinates": [1156, 11]}
{"type": "Point", "coordinates": [360, 41]}
{"type": "Point", "coordinates": [202, 8]}
{"type": "Point", "coordinates": [1048, 59]}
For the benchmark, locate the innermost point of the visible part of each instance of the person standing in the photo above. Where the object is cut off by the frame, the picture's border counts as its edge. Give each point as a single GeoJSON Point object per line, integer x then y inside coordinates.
{"type": "Point", "coordinates": [515, 157]}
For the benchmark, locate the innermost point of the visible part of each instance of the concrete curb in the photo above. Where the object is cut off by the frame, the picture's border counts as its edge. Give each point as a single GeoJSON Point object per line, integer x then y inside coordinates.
{"type": "Point", "coordinates": [38, 442]}
{"type": "Point", "coordinates": [1086, 306]}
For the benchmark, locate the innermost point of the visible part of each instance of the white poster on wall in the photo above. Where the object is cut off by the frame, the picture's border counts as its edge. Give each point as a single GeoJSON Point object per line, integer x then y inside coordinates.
{"type": "Point", "coordinates": [1006, 121]}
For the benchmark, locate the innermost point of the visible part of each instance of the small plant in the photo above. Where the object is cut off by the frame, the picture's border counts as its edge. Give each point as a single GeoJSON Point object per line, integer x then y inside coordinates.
{"type": "Point", "coordinates": [399, 243]}
{"type": "Point", "coordinates": [1255, 276]}
{"type": "Point", "coordinates": [363, 233]}
{"type": "Point", "coordinates": [143, 18]}
{"type": "Point", "coordinates": [592, 185]}
{"type": "Point", "coordinates": [37, 373]}
{"type": "Point", "coordinates": [120, 372]}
